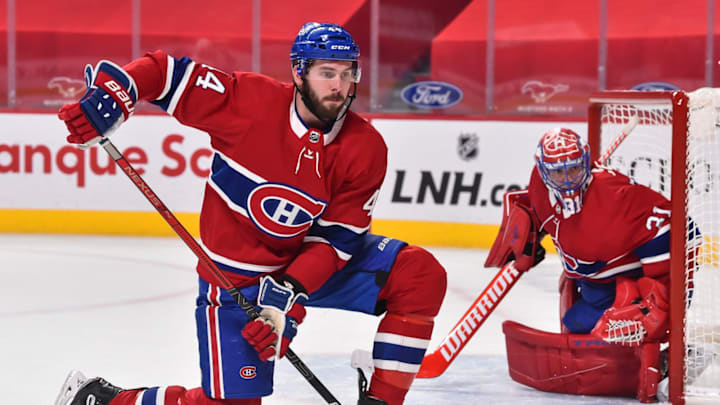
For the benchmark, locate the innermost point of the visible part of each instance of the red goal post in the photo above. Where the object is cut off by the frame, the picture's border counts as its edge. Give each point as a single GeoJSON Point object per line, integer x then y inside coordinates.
{"type": "Point", "coordinates": [674, 149]}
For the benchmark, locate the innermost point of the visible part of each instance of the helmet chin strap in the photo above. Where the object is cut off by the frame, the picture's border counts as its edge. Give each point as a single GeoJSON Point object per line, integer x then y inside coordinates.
{"type": "Point", "coordinates": [309, 104]}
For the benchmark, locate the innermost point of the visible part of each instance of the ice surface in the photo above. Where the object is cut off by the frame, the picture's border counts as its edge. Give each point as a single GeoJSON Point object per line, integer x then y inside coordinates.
{"type": "Point", "coordinates": [123, 308]}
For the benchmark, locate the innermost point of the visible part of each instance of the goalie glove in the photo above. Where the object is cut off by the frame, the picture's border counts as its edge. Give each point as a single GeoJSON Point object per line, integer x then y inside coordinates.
{"type": "Point", "coordinates": [281, 312]}
{"type": "Point", "coordinates": [644, 319]}
{"type": "Point", "coordinates": [109, 101]}
{"type": "Point", "coordinates": [519, 235]}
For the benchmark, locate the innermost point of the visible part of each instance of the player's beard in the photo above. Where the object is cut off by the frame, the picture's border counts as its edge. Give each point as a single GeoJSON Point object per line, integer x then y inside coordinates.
{"type": "Point", "coordinates": [327, 114]}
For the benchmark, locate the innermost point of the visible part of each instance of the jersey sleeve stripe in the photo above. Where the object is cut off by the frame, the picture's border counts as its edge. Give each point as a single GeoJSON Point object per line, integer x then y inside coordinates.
{"type": "Point", "coordinates": [177, 93]}
{"type": "Point", "coordinates": [178, 70]}
{"type": "Point", "coordinates": [654, 247]}
{"type": "Point", "coordinates": [665, 229]}
{"type": "Point", "coordinates": [168, 77]}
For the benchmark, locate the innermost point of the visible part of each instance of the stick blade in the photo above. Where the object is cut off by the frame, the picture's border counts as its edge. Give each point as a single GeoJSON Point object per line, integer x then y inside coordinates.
{"type": "Point", "coordinates": [433, 365]}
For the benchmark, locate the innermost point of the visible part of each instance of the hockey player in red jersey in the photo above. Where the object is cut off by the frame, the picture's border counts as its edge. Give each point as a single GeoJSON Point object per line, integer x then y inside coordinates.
{"type": "Point", "coordinates": [286, 213]}
{"type": "Point", "coordinates": [613, 240]}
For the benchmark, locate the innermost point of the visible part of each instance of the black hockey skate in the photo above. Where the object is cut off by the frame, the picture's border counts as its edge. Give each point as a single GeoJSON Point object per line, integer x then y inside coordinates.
{"type": "Point", "coordinates": [362, 389]}
{"type": "Point", "coordinates": [79, 390]}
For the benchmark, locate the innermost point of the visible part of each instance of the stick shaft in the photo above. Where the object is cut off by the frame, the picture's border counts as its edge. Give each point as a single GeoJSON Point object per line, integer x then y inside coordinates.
{"type": "Point", "coordinates": [217, 273]}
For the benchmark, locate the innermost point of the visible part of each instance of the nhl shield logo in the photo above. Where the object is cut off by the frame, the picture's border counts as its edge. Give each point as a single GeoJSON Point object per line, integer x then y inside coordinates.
{"type": "Point", "coordinates": [467, 146]}
{"type": "Point", "coordinates": [314, 136]}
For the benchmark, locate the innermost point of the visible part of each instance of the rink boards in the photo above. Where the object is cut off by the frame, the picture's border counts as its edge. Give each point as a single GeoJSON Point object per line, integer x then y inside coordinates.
{"type": "Point", "coordinates": [444, 183]}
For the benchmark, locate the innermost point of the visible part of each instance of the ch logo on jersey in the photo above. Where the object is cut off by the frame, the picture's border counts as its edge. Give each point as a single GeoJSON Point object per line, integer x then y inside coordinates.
{"type": "Point", "coordinates": [282, 211]}
{"type": "Point", "coordinates": [248, 372]}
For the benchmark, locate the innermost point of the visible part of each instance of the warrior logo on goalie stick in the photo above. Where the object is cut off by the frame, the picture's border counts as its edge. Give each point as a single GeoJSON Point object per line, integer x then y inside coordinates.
{"type": "Point", "coordinates": [484, 305]}
{"type": "Point", "coordinates": [282, 211]}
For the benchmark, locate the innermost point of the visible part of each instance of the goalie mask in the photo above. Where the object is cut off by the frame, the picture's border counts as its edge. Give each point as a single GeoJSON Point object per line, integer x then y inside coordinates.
{"type": "Point", "coordinates": [563, 161]}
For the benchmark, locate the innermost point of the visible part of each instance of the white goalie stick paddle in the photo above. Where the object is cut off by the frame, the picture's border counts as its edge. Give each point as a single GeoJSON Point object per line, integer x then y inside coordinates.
{"type": "Point", "coordinates": [435, 363]}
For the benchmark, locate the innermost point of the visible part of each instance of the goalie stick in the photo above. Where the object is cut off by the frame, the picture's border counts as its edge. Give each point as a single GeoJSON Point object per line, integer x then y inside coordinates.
{"type": "Point", "coordinates": [435, 363]}
{"type": "Point", "coordinates": [218, 274]}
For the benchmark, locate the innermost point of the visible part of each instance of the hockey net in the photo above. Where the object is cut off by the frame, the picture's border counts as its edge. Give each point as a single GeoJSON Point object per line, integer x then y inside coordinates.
{"type": "Point", "coordinates": [675, 149]}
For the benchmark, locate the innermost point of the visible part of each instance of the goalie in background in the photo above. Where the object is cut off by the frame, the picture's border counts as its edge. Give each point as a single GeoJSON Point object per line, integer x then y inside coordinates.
{"type": "Point", "coordinates": [613, 240]}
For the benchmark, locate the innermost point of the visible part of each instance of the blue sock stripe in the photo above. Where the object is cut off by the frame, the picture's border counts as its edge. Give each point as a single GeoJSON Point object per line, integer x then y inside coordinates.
{"type": "Point", "coordinates": [149, 396]}
{"type": "Point", "coordinates": [389, 351]}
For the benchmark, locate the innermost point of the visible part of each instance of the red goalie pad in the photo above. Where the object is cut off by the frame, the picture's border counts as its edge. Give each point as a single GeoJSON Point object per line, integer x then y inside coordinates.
{"type": "Point", "coordinates": [579, 364]}
{"type": "Point", "coordinates": [518, 236]}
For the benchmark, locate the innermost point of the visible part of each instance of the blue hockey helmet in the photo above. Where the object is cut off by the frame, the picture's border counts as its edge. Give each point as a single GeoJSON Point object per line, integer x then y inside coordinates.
{"type": "Point", "coordinates": [322, 41]}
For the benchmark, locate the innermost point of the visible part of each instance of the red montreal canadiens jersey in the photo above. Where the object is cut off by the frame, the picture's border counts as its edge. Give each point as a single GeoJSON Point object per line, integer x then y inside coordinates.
{"type": "Point", "coordinates": [274, 184]}
{"type": "Point", "coordinates": [622, 229]}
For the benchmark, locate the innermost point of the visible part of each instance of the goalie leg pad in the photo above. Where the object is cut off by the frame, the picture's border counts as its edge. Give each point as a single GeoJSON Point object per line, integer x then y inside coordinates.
{"type": "Point", "coordinates": [570, 363]}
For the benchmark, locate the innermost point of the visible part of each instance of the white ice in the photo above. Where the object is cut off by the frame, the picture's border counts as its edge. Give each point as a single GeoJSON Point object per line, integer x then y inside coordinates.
{"type": "Point", "coordinates": [123, 308]}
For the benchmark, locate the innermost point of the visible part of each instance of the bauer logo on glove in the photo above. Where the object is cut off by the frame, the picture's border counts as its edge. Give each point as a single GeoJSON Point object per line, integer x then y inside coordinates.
{"type": "Point", "coordinates": [109, 101]}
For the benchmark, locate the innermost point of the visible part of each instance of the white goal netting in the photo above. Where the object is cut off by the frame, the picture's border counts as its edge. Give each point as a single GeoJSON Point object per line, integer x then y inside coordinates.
{"type": "Point", "coordinates": [646, 156]}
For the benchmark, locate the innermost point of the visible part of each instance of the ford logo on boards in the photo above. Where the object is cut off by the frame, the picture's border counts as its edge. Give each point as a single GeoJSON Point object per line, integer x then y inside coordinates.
{"type": "Point", "coordinates": [431, 94]}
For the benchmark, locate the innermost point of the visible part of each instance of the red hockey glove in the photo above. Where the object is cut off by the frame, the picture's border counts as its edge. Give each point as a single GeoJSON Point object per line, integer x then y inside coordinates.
{"type": "Point", "coordinates": [282, 312]}
{"type": "Point", "coordinates": [644, 319]}
{"type": "Point", "coordinates": [109, 100]}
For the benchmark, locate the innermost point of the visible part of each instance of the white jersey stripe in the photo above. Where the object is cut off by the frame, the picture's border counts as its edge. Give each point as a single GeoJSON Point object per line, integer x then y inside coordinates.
{"type": "Point", "coordinates": [230, 203]}
{"type": "Point", "coordinates": [241, 169]}
{"type": "Point", "coordinates": [353, 228]}
{"type": "Point", "coordinates": [655, 259]}
{"type": "Point", "coordinates": [342, 255]}
{"type": "Point", "coordinates": [180, 88]}
{"type": "Point", "coordinates": [609, 273]}
{"type": "Point", "coordinates": [168, 77]}
{"type": "Point", "coordinates": [239, 265]}
{"type": "Point", "coordinates": [401, 340]}
{"type": "Point", "coordinates": [665, 229]}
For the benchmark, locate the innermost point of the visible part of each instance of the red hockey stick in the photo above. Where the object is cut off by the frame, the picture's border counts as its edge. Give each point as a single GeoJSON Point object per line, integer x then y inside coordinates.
{"type": "Point", "coordinates": [437, 362]}
{"type": "Point", "coordinates": [218, 274]}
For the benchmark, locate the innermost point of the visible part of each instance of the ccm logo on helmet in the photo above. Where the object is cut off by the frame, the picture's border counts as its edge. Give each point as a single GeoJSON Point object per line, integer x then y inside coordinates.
{"type": "Point", "coordinates": [282, 211]}
{"type": "Point", "coordinates": [248, 372]}
{"type": "Point", "coordinates": [340, 47]}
